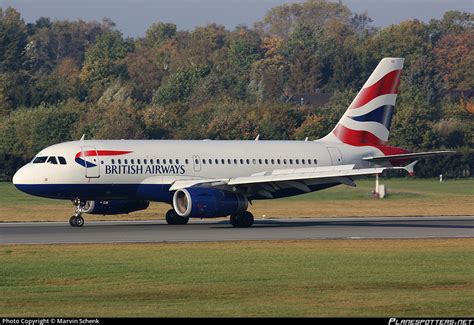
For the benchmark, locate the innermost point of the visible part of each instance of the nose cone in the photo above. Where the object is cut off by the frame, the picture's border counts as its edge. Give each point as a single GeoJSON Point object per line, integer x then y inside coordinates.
{"type": "Point", "coordinates": [19, 177]}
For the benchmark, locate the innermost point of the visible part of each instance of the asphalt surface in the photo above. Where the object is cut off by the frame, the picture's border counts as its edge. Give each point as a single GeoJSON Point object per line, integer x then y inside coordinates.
{"type": "Point", "coordinates": [211, 230]}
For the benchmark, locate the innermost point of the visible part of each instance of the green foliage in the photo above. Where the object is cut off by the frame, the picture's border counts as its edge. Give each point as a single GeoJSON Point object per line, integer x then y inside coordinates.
{"type": "Point", "coordinates": [103, 60]}
{"type": "Point", "coordinates": [60, 79]}
{"type": "Point", "coordinates": [159, 32]}
{"type": "Point", "coordinates": [180, 85]}
{"type": "Point", "coordinates": [26, 131]}
{"type": "Point", "coordinates": [13, 42]}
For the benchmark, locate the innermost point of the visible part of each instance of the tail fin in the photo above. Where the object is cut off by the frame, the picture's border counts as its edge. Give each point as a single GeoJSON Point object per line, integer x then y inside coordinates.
{"type": "Point", "coordinates": [367, 120]}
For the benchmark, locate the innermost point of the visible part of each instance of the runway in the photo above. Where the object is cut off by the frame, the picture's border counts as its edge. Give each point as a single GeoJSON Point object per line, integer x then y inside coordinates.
{"type": "Point", "coordinates": [211, 230]}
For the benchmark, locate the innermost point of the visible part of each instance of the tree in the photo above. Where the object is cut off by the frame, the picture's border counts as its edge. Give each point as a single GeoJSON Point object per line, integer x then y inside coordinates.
{"type": "Point", "coordinates": [455, 59]}
{"type": "Point", "coordinates": [62, 83]}
{"type": "Point", "coordinates": [243, 48]}
{"type": "Point", "coordinates": [270, 74]}
{"type": "Point", "coordinates": [145, 72]}
{"type": "Point", "coordinates": [305, 62]}
{"type": "Point", "coordinates": [52, 42]}
{"type": "Point", "coordinates": [281, 21]}
{"type": "Point", "coordinates": [103, 60]}
{"type": "Point", "coordinates": [158, 33]}
{"type": "Point", "coordinates": [180, 85]}
{"type": "Point", "coordinates": [13, 35]}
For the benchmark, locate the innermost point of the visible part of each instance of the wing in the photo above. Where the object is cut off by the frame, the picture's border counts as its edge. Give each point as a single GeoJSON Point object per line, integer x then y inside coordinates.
{"type": "Point", "coordinates": [265, 184]}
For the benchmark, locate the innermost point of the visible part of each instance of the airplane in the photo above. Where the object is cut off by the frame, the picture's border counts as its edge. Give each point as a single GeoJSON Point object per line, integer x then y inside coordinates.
{"type": "Point", "coordinates": [214, 178]}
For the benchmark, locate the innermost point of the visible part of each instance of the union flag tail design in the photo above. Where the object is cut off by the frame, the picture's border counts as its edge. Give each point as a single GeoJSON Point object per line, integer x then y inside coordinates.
{"type": "Point", "coordinates": [367, 120]}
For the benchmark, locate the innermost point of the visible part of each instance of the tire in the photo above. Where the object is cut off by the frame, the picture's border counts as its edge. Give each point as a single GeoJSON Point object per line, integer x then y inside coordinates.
{"type": "Point", "coordinates": [72, 222]}
{"type": "Point", "coordinates": [242, 220]}
{"type": "Point", "coordinates": [172, 218]}
{"type": "Point", "coordinates": [79, 221]}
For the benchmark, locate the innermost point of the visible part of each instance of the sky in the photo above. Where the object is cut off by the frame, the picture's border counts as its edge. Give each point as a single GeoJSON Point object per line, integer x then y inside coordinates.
{"type": "Point", "coordinates": [133, 17]}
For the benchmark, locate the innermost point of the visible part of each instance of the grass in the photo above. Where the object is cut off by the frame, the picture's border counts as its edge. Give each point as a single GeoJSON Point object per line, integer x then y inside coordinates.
{"type": "Point", "coordinates": [273, 278]}
{"type": "Point", "coordinates": [407, 197]}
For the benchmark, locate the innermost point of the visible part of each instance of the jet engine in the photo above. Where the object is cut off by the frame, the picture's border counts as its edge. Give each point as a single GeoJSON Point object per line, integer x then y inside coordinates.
{"type": "Point", "coordinates": [114, 207]}
{"type": "Point", "coordinates": [203, 202]}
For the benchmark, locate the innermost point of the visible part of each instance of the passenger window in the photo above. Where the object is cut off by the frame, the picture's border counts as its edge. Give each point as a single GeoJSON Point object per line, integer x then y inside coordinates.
{"type": "Point", "coordinates": [297, 161]}
{"type": "Point", "coordinates": [315, 161]}
{"type": "Point", "coordinates": [52, 160]}
{"type": "Point", "coordinates": [217, 161]}
{"type": "Point", "coordinates": [125, 161]}
{"type": "Point", "coordinates": [273, 161]}
{"type": "Point", "coordinates": [247, 161]}
{"type": "Point", "coordinates": [177, 161]}
{"type": "Point", "coordinates": [132, 161]}
{"type": "Point", "coordinates": [266, 161]}
{"type": "Point", "coordinates": [260, 161]}
{"type": "Point", "coordinates": [254, 161]}
{"type": "Point", "coordinates": [210, 161]}
{"type": "Point", "coordinates": [223, 161]}
{"type": "Point", "coordinates": [151, 161]}
{"type": "Point", "coordinates": [144, 161]}
{"type": "Point", "coordinates": [302, 161]}
{"type": "Point", "coordinates": [113, 161]}
{"type": "Point", "coordinates": [279, 161]}
{"type": "Point", "coordinates": [229, 161]}
{"type": "Point", "coordinates": [138, 161]}
{"type": "Point", "coordinates": [119, 161]}
{"type": "Point", "coordinates": [284, 161]}
{"type": "Point", "coordinates": [62, 160]}
{"type": "Point", "coordinates": [203, 161]}
{"type": "Point", "coordinates": [40, 160]}
{"type": "Point", "coordinates": [241, 161]}
{"type": "Point", "coordinates": [186, 161]}
{"type": "Point", "coordinates": [235, 161]}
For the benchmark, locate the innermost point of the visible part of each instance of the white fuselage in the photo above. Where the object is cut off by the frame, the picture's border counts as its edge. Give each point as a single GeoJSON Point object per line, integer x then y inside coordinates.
{"type": "Point", "coordinates": [108, 169]}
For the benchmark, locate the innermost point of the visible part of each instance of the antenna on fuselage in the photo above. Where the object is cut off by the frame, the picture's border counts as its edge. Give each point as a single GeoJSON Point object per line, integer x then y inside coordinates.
{"type": "Point", "coordinates": [83, 137]}
{"type": "Point", "coordinates": [258, 137]}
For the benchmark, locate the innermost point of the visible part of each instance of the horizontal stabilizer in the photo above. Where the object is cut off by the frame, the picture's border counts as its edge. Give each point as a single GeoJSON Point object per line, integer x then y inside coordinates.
{"type": "Point", "coordinates": [414, 155]}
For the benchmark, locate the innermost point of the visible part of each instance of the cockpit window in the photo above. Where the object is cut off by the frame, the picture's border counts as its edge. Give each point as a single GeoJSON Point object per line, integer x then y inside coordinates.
{"type": "Point", "coordinates": [62, 160]}
{"type": "Point", "coordinates": [40, 160]}
{"type": "Point", "coordinates": [52, 160]}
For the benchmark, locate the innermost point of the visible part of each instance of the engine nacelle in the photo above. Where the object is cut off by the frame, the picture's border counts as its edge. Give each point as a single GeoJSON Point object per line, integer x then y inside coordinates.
{"type": "Point", "coordinates": [114, 207]}
{"type": "Point", "coordinates": [203, 202]}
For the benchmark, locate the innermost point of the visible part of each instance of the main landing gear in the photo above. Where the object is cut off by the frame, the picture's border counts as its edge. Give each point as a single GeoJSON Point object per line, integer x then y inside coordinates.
{"type": "Point", "coordinates": [77, 220]}
{"type": "Point", "coordinates": [242, 220]}
{"type": "Point", "coordinates": [172, 218]}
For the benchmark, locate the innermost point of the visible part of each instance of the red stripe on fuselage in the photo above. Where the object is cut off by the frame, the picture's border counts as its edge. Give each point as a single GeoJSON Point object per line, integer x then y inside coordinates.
{"type": "Point", "coordinates": [89, 153]}
{"type": "Point", "coordinates": [388, 84]}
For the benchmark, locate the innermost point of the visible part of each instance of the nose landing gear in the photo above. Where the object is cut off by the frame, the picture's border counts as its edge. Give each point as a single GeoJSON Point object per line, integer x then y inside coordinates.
{"type": "Point", "coordinates": [77, 220]}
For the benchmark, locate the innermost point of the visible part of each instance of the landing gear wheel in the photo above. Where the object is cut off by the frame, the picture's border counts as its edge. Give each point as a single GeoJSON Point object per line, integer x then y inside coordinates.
{"type": "Point", "coordinates": [79, 221]}
{"type": "Point", "coordinates": [242, 220]}
{"type": "Point", "coordinates": [76, 221]}
{"type": "Point", "coordinates": [172, 218]}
